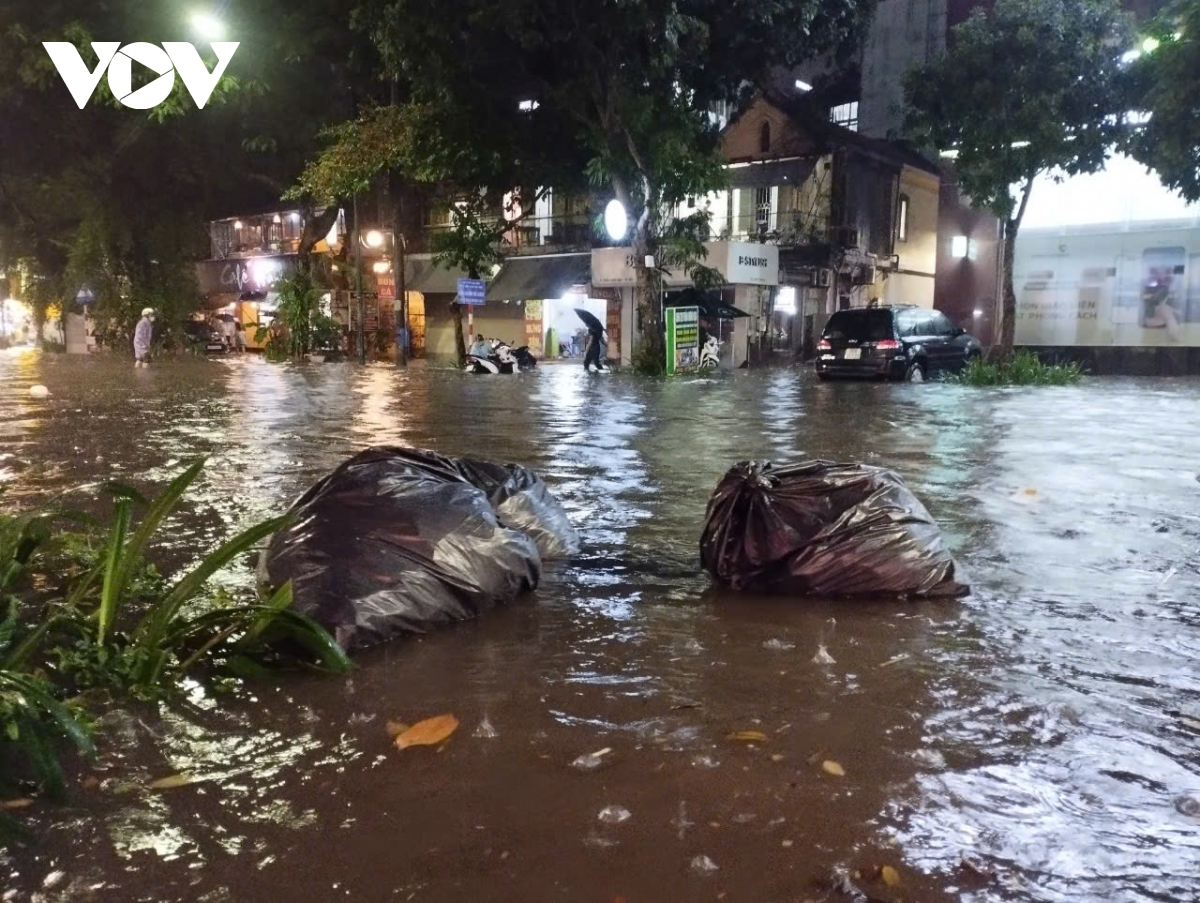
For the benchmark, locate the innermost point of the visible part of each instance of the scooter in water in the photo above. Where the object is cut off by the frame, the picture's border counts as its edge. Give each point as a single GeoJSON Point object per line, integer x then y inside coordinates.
{"type": "Point", "coordinates": [502, 360]}
{"type": "Point", "coordinates": [710, 354]}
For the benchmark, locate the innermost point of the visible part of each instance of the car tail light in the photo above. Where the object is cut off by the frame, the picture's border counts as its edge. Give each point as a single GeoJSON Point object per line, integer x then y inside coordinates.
{"type": "Point", "coordinates": [887, 345]}
{"type": "Point", "coordinates": [824, 345]}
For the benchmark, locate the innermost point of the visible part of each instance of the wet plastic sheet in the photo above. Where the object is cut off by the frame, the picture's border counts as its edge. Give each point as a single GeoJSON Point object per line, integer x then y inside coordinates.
{"type": "Point", "coordinates": [824, 529]}
{"type": "Point", "coordinates": [398, 541]}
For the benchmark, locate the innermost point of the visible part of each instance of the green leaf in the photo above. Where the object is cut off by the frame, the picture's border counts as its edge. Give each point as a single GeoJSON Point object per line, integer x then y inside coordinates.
{"type": "Point", "coordinates": [110, 593]}
{"type": "Point", "coordinates": [162, 505]}
{"type": "Point", "coordinates": [155, 623]}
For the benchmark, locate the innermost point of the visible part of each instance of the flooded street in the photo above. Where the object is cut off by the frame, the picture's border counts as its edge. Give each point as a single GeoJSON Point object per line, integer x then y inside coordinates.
{"type": "Point", "coordinates": [1036, 741]}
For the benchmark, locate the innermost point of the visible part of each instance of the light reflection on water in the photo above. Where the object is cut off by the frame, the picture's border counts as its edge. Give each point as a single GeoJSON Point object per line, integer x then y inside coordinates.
{"type": "Point", "coordinates": [1045, 728]}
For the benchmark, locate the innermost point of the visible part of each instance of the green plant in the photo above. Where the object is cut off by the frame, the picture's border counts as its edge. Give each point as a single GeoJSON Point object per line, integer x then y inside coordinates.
{"type": "Point", "coordinates": [327, 333]}
{"type": "Point", "coordinates": [648, 360]}
{"type": "Point", "coordinates": [32, 718]}
{"type": "Point", "coordinates": [298, 311]}
{"type": "Point", "coordinates": [147, 652]}
{"type": "Point", "coordinates": [1023, 368]}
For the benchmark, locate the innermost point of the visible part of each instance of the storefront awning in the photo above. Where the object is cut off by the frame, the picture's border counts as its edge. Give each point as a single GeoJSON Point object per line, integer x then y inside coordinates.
{"type": "Point", "coordinates": [771, 173]}
{"type": "Point", "coordinates": [219, 300]}
{"type": "Point", "coordinates": [536, 278]}
{"type": "Point", "coordinates": [422, 276]}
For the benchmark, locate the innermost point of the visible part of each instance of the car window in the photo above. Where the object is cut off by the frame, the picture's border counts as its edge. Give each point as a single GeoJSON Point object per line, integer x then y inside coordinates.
{"type": "Point", "coordinates": [943, 324]}
{"type": "Point", "coordinates": [921, 324]}
{"type": "Point", "coordinates": [860, 325]}
{"type": "Point", "coordinates": [907, 321]}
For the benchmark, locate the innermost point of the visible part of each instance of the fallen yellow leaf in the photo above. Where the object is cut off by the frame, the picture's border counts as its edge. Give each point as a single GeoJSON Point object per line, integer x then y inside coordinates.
{"type": "Point", "coordinates": [890, 876]}
{"type": "Point", "coordinates": [171, 781]}
{"type": "Point", "coordinates": [15, 804]}
{"type": "Point", "coordinates": [748, 736]}
{"type": "Point", "coordinates": [396, 728]}
{"type": "Point", "coordinates": [429, 732]}
{"type": "Point", "coordinates": [833, 768]}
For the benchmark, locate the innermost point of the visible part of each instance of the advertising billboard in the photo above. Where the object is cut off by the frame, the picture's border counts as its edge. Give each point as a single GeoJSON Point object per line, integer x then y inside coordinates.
{"type": "Point", "coordinates": [1138, 288]}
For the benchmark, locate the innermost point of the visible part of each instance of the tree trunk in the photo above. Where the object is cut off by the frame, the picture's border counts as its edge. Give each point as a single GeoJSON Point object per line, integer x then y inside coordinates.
{"type": "Point", "coordinates": [1008, 303]}
{"type": "Point", "coordinates": [1003, 348]}
{"type": "Point", "coordinates": [316, 227]}
{"type": "Point", "coordinates": [652, 353]}
{"type": "Point", "coordinates": [460, 343]}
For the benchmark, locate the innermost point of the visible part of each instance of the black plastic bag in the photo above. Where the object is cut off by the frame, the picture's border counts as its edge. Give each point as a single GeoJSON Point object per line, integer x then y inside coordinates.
{"type": "Point", "coordinates": [823, 529]}
{"type": "Point", "coordinates": [399, 541]}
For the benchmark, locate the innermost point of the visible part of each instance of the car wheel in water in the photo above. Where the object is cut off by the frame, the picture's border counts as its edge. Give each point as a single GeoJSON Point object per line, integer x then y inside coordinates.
{"type": "Point", "coordinates": [915, 373]}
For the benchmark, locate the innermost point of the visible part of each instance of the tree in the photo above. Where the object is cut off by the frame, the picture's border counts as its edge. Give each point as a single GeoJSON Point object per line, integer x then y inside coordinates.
{"type": "Point", "coordinates": [118, 197]}
{"type": "Point", "coordinates": [1024, 90]}
{"type": "Point", "coordinates": [533, 93]}
{"type": "Point", "coordinates": [1164, 82]}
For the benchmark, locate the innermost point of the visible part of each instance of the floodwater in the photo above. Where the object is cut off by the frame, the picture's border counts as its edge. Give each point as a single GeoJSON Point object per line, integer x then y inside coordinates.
{"type": "Point", "coordinates": [1037, 741]}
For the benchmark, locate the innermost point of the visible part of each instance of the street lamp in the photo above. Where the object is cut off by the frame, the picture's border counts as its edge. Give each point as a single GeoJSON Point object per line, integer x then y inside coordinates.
{"type": "Point", "coordinates": [208, 25]}
{"type": "Point", "coordinates": [616, 221]}
{"type": "Point", "coordinates": [374, 239]}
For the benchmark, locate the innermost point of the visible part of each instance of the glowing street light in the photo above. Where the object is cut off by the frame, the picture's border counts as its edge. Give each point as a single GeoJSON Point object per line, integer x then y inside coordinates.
{"type": "Point", "coordinates": [616, 221]}
{"type": "Point", "coordinates": [208, 26]}
{"type": "Point", "coordinates": [374, 239]}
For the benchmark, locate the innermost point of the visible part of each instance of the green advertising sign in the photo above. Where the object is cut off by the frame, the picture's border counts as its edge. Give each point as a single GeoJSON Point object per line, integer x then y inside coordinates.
{"type": "Point", "coordinates": [683, 338]}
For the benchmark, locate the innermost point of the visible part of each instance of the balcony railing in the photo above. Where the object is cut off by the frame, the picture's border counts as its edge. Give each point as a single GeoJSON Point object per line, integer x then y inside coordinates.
{"type": "Point", "coordinates": [538, 232]}
{"type": "Point", "coordinates": [788, 228]}
{"type": "Point", "coordinates": [256, 235]}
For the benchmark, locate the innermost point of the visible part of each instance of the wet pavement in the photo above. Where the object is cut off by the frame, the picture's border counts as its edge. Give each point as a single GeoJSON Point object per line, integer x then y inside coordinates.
{"type": "Point", "coordinates": [1037, 741]}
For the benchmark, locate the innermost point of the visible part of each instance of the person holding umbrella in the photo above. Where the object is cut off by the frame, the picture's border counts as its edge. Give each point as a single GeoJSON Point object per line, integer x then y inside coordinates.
{"type": "Point", "coordinates": [595, 341]}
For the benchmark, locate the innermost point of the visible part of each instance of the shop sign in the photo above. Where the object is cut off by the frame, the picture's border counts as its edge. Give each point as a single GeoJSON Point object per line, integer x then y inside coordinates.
{"type": "Point", "coordinates": [740, 263]}
{"type": "Point", "coordinates": [533, 327]}
{"type": "Point", "coordinates": [256, 274]}
{"type": "Point", "coordinates": [472, 291]}
{"type": "Point", "coordinates": [683, 338]}
{"type": "Point", "coordinates": [613, 267]}
{"type": "Point", "coordinates": [750, 264]}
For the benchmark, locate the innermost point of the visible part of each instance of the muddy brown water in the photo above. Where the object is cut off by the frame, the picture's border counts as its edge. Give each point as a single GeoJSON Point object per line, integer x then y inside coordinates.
{"type": "Point", "coordinates": [1044, 730]}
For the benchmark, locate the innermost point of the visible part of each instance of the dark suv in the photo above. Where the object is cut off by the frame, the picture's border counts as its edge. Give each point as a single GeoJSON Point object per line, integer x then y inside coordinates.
{"type": "Point", "coordinates": [909, 343]}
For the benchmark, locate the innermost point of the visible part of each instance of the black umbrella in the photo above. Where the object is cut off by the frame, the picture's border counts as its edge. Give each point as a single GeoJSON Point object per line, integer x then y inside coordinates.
{"type": "Point", "coordinates": [710, 304]}
{"type": "Point", "coordinates": [589, 320]}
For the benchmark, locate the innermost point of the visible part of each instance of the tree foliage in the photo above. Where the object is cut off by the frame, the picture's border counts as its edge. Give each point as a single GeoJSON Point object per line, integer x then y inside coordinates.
{"type": "Point", "coordinates": [118, 197]}
{"type": "Point", "coordinates": [566, 93]}
{"type": "Point", "coordinates": [1164, 82]}
{"type": "Point", "coordinates": [1025, 89]}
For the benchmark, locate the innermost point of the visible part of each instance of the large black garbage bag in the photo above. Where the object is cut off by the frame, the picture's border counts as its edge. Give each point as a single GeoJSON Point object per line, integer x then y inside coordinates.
{"type": "Point", "coordinates": [522, 501]}
{"type": "Point", "coordinates": [823, 529]}
{"type": "Point", "coordinates": [398, 541]}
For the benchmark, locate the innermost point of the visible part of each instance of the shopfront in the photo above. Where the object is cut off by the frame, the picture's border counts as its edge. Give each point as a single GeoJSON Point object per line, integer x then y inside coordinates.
{"type": "Point", "coordinates": [751, 276]}
{"type": "Point", "coordinates": [240, 292]}
{"type": "Point", "coordinates": [546, 290]}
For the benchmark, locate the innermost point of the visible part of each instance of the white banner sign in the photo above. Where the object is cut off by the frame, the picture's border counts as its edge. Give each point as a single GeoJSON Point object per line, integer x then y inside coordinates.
{"type": "Point", "coordinates": [745, 263]}
{"type": "Point", "coordinates": [741, 263]}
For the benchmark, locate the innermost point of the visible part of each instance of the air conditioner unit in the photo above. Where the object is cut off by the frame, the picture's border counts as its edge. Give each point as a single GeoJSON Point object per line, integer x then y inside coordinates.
{"type": "Point", "coordinates": [865, 275]}
{"type": "Point", "coordinates": [844, 237]}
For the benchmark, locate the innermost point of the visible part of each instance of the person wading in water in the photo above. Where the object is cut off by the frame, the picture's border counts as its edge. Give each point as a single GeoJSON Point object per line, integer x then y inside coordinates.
{"type": "Point", "coordinates": [141, 338]}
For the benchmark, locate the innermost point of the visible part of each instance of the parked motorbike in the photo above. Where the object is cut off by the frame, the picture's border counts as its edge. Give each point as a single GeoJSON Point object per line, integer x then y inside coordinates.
{"type": "Point", "coordinates": [503, 359]}
{"type": "Point", "coordinates": [710, 354]}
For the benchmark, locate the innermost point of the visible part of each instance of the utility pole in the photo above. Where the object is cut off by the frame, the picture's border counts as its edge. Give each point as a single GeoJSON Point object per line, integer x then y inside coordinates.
{"type": "Point", "coordinates": [362, 307]}
{"type": "Point", "coordinates": [402, 287]}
